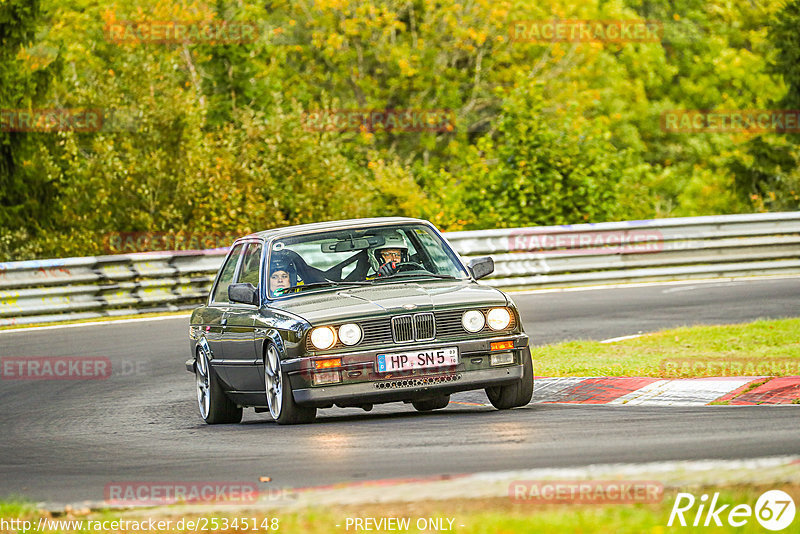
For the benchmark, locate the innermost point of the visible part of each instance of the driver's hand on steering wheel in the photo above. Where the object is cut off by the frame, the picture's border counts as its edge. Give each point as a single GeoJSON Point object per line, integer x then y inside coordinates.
{"type": "Point", "coordinates": [388, 268]}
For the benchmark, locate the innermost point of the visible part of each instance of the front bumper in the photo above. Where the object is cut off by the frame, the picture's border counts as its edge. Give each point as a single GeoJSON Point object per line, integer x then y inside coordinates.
{"type": "Point", "coordinates": [400, 389]}
{"type": "Point", "coordinates": [361, 384]}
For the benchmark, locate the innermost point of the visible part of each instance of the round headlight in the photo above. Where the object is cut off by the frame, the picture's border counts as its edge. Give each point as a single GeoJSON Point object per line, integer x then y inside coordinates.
{"type": "Point", "coordinates": [499, 318]}
{"type": "Point", "coordinates": [473, 321]}
{"type": "Point", "coordinates": [323, 337]}
{"type": "Point", "coordinates": [350, 333]}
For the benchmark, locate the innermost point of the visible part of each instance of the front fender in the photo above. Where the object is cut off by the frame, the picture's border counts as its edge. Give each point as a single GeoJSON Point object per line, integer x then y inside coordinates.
{"type": "Point", "coordinates": [191, 362]}
{"type": "Point", "coordinates": [274, 336]}
{"type": "Point", "coordinates": [285, 331]}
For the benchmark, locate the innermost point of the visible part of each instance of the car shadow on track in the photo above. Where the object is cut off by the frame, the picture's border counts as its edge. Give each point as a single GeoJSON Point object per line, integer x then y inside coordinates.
{"type": "Point", "coordinates": [389, 413]}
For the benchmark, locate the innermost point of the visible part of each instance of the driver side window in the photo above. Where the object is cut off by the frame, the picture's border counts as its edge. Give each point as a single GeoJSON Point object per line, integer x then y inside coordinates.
{"type": "Point", "coordinates": [251, 265]}
{"type": "Point", "coordinates": [226, 275]}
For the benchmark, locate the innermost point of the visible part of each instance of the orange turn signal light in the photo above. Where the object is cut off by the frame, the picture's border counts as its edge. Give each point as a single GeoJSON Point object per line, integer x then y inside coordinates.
{"type": "Point", "coordinates": [502, 345]}
{"type": "Point", "coordinates": [328, 364]}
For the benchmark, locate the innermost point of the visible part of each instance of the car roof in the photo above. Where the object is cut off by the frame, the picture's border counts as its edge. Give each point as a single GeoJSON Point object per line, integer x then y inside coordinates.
{"type": "Point", "coordinates": [332, 225]}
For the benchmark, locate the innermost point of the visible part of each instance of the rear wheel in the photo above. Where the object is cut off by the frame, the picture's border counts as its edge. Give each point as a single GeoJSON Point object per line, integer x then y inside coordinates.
{"type": "Point", "coordinates": [435, 403]}
{"type": "Point", "coordinates": [215, 406]}
{"type": "Point", "coordinates": [518, 393]}
{"type": "Point", "coordinates": [279, 393]}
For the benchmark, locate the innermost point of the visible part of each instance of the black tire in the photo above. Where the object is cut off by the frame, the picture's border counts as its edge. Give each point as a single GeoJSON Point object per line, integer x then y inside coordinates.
{"type": "Point", "coordinates": [518, 393]}
{"type": "Point", "coordinates": [436, 403]}
{"type": "Point", "coordinates": [278, 390]}
{"type": "Point", "coordinates": [215, 406]}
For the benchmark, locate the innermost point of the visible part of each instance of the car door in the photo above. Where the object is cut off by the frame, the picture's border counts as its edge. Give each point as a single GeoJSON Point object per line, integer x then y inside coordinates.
{"type": "Point", "coordinates": [238, 336]}
{"type": "Point", "coordinates": [216, 315]}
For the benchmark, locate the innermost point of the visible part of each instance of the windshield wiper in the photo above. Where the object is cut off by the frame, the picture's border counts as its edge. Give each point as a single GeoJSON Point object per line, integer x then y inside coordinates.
{"type": "Point", "coordinates": [330, 283]}
{"type": "Point", "coordinates": [420, 275]}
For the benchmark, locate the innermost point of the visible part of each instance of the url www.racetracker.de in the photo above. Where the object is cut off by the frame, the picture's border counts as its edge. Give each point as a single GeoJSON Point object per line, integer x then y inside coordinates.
{"type": "Point", "coordinates": [200, 524]}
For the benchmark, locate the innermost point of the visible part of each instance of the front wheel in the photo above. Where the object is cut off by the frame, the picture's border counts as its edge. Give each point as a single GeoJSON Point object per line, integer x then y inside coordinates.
{"type": "Point", "coordinates": [518, 393]}
{"type": "Point", "coordinates": [279, 393]}
{"type": "Point", "coordinates": [215, 406]}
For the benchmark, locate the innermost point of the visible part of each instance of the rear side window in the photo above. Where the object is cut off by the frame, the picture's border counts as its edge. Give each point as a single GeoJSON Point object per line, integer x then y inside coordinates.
{"type": "Point", "coordinates": [226, 275]}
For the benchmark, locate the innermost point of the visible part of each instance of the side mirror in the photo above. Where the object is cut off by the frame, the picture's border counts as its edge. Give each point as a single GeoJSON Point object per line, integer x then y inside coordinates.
{"type": "Point", "coordinates": [480, 267]}
{"type": "Point", "coordinates": [243, 293]}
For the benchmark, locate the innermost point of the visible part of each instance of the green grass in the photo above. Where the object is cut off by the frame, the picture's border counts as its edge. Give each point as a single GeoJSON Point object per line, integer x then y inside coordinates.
{"type": "Point", "coordinates": [16, 508]}
{"type": "Point", "coordinates": [766, 347]}
{"type": "Point", "coordinates": [478, 516]}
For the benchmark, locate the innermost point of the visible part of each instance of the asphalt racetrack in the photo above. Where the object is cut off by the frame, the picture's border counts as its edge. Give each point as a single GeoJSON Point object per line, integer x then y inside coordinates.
{"type": "Point", "coordinates": [64, 441]}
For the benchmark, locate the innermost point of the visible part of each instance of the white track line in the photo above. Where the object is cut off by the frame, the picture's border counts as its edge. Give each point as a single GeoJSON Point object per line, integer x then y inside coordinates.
{"type": "Point", "coordinates": [653, 284]}
{"type": "Point", "coordinates": [693, 287]}
{"type": "Point", "coordinates": [95, 323]}
{"type": "Point", "coordinates": [621, 338]}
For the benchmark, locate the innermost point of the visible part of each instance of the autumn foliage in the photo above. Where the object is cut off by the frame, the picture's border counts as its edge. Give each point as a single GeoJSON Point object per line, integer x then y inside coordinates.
{"type": "Point", "coordinates": [206, 115]}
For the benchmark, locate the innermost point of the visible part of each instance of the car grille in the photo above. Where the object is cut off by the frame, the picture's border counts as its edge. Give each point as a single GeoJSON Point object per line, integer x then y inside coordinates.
{"type": "Point", "coordinates": [449, 323]}
{"type": "Point", "coordinates": [375, 331]}
{"type": "Point", "coordinates": [426, 326]}
{"type": "Point", "coordinates": [418, 327]}
{"type": "Point", "coordinates": [441, 325]}
{"type": "Point", "coordinates": [402, 329]}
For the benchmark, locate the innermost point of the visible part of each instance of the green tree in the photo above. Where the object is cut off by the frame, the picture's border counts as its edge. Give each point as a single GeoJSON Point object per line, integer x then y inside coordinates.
{"type": "Point", "coordinates": [768, 168]}
{"type": "Point", "coordinates": [543, 168]}
{"type": "Point", "coordinates": [212, 137]}
{"type": "Point", "coordinates": [26, 198]}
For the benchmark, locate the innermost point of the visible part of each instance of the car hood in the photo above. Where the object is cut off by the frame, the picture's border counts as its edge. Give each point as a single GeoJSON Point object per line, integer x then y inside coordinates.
{"type": "Point", "coordinates": [389, 299]}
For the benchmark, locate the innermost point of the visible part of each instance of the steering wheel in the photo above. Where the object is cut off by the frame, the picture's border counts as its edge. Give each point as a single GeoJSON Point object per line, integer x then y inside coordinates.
{"type": "Point", "coordinates": [411, 266]}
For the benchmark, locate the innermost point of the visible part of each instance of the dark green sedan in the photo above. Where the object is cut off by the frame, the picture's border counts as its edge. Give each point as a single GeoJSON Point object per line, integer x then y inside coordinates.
{"type": "Point", "coordinates": [353, 313]}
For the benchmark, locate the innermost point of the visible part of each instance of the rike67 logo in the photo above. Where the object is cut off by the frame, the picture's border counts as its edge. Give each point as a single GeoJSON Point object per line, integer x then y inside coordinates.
{"type": "Point", "coordinates": [774, 510]}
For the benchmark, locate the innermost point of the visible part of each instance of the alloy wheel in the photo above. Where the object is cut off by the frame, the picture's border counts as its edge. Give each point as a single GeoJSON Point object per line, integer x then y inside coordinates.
{"type": "Point", "coordinates": [203, 384]}
{"type": "Point", "coordinates": [272, 381]}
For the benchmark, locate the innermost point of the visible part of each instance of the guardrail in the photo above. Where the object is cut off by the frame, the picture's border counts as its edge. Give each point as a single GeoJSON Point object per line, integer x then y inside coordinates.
{"type": "Point", "coordinates": [553, 256]}
{"type": "Point", "coordinates": [638, 251]}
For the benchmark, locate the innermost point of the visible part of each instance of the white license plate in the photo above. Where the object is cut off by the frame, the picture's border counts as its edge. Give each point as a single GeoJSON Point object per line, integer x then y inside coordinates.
{"type": "Point", "coordinates": [420, 359]}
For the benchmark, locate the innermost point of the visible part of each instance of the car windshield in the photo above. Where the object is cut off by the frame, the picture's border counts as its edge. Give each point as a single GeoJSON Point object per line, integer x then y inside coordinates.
{"type": "Point", "coordinates": [355, 256]}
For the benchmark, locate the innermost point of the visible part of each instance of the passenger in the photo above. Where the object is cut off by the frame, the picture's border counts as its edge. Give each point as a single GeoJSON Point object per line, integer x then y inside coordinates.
{"type": "Point", "coordinates": [282, 275]}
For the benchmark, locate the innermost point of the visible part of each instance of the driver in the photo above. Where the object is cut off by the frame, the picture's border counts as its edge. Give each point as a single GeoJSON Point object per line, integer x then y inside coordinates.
{"type": "Point", "coordinates": [282, 274]}
{"type": "Point", "coordinates": [386, 257]}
